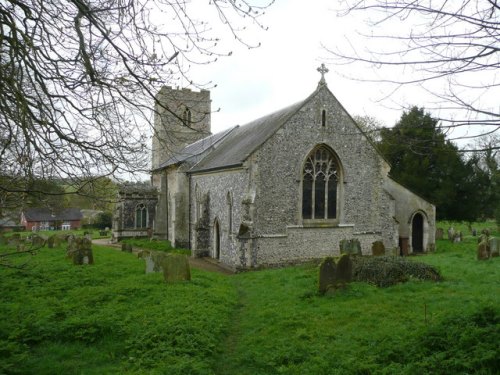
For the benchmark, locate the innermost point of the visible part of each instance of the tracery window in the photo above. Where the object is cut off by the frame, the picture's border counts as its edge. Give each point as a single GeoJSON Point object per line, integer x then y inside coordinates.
{"type": "Point", "coordinates": [141, 216]}
{"type": "Point", "coordinates": [320, 178]}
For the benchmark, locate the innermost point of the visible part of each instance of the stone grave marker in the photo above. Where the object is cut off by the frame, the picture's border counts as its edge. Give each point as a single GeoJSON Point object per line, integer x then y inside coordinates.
{"type": "Point", "coordinates": [483, 251]}
{"type": "Point", "coordinates": [494, 246]}
{"type": "Point", "coordinates": [51, 241]}
{"type": "Point", "coordinates": [38, 241]}
{"type": "Point", "coordinates": [80, 251]}
{"type": "Point", "coordinates": [343, 274]}
{"type": "Point", "coordinates": [474, 232]}
{"type": "Point", "coordinates": [451, 234]}
{"type": "Point", "coordinates": [176, 268]}
{"type": "Point", "coordinates": [352, 247]}
{"type": "Point", "coordinates": [153, 260]}
{"type": "Point", "coordinates": [378, 248]}
{"type": "Point", "coordinates": [439, 233]}
{"type": "Point", "coordinates": [327, 274]}
{"type": "Point", "coordinates": [127, 247]}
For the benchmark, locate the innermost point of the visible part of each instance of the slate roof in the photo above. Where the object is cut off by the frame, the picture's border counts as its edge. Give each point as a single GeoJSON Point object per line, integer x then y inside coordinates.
{"type": "Point", "coordinates": [244, 140]}
{"type": "Point", "coordinates": [45, 214]}
{"type": "Point", "coordinates": [194, 151]}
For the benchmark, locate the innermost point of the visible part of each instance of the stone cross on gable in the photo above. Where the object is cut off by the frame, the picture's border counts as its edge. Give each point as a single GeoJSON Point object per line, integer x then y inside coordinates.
{"type": "Point", "coordinates": [323, 70]}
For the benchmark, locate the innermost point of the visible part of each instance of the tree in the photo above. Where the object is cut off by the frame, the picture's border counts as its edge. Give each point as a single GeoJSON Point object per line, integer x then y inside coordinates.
{"type": "Point", "coordinates": [78, 79]}
{"type": "Point", "coordinates": [104, 220]}
{"type": "Point", "coordinates": [423, 160]}
{"type": "Point", "coordinates": [449, 48]}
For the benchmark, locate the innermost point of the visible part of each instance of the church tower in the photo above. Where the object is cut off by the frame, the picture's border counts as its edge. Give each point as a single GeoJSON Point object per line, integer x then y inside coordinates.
{"type": "Point", "coordinates": [181, 117]}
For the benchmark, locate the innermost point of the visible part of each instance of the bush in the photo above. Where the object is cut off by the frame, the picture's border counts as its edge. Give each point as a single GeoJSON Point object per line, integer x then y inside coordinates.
{"type": "Point", "coordinates": [387, 271]}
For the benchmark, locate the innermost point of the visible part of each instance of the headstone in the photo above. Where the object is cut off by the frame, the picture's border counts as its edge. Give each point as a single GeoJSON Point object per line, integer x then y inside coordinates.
{"type": "Point", "coordinates": [38, 241]}
{"type": "Point", "coordinates": [486, 231]}
{"type": "Point", "coordinates": [80, 251]}
{"type": "Point", "coordinates": [51, 241]}
{"type": "Point", "coordinates": [378, 248]}
{"type": "Point", "coordinates": [483, 251]}
{"type": "Point", "coordinates": [451, 234]}
{"type": "Point", "coordinates": [343, 274]}
{"type": "Point", "coordinates": [474, 232]}
{"type": "Point", "coordinates": [494, 246]}
{"type": "Point", "coordinates": [153, 260]}
{"type": "Point", "coordinates": [327, 274]}
{"type": "Point", "coordinates": [176, 268]}
{"type": "Point", "coordinates": [457, 237]}
{"type": "Point", "coordinates": [439, 233]}
{"type": "Point", "coordinates": [15, 239]}
{"type": "Point", "coordinates": [127, 247]}
{"type": "Point", "coordinates": [352, 247]}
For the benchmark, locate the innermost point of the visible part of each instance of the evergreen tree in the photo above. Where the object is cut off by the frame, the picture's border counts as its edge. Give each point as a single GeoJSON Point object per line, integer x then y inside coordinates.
{"type": "Point", "coordinates": [431, 166]}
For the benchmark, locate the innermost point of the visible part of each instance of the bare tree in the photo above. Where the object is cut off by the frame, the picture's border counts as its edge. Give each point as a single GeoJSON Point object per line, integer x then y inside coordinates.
{"type": "Point", "coordinates": [78, 78]}
{"type": "Point", "coordinates": [449, 48]}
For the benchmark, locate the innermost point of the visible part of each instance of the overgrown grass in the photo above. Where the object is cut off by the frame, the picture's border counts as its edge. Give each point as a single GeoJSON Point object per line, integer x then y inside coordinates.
{"type": "Point", "coordinates": [113, 318]}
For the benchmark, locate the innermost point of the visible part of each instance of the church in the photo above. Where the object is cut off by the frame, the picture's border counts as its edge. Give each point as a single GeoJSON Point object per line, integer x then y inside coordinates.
{"type": "Point", "coordinates": [285, 188]}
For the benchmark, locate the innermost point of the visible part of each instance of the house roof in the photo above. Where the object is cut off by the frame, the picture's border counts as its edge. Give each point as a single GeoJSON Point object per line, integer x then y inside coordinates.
{"type": "Point", "coordinates": [46, 214]}
{"type": "Point", "coordinates": [244, 140]}
{"type": "Point", "coordinates": [195, 150]}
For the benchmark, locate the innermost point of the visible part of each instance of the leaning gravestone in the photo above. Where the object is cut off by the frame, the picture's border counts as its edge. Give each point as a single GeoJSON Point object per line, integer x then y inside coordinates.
{"type": "Point", "coordinates": [483, 251]}
{"type": "Point", "coordinates": [451, 234]}
{"type": "Point", "coordinates": [494, 247]}
{"type": "Point", "coordinates": [176, 268]}
{"type": "Point", "coordinates": [80, 251]}
{"type": "Point", "coordinates": [327, 274]}
{"type": "Point", "coordinates": [439, 233]}
{"type": "Point", "coordinates": [378, 248]}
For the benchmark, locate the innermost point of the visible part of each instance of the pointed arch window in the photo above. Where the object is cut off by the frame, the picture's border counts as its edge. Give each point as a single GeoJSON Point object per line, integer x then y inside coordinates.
{"type": "Point", "coordinates": [141, 216]}
{"type": "Point", "coordinates": [186, 117]}
{"type": "Point", "coordinates": [320, 178]}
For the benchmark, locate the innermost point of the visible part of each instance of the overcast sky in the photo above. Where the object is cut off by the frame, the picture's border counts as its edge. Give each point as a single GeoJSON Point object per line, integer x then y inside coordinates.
{"type": "Point", "coordinates": [252, 83]}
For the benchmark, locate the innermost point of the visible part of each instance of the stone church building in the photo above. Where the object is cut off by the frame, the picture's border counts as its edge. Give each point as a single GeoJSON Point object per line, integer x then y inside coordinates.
{"type": "Point", "coordinates": [284, 188]}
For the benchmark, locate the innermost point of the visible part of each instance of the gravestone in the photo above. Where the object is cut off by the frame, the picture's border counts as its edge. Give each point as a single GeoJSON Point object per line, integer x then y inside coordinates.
{"type": "Point", "coordinates": [494, 247]}
{"type": "Point", "coordinates": [80, 251]}
{"type": "Point", "coordinates": [176, 268]}
{"type": "Point", "coordinates": [352, 247]}
{"type": "Point", "coordinates": [327, 274]}
{"type": "Point", "coordinates": [127, 247]}
{"type": "Point", "coordinates": [51, 241]}
{"type": "Point", "coordinates": [378, 248]}
{"type": "Point", "coordinates": [451, 234]}
{"type": "Point", "coordinates": [486, 231]}
{"type": "Point", "coordinates": [474, 232]}
{"type": "Point", "coordinates": [15, 239]}
{"type": "Point", "coordinates": [153, 260]}
{"type": "Point", "coordinates": [457, 237]}
{"type": "Point", "coordinates": [343, 274]}
{"type": "Point", "coordinates": [38, 241]}
{"type": "Point", "coordinates": [483, 251]}
{"type": "Point", "coordinates": [439, 233]}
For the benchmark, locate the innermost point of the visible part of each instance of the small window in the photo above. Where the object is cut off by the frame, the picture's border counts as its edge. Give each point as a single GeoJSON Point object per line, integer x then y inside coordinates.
{"type": "Point", "coordinates": [230, 211]}
{"type": "Point", "coordinates": [186, 117]}
{"type": "Point", "coordinates": [141, 216]}
{"type": "Point", "coordinates": [323, 118]}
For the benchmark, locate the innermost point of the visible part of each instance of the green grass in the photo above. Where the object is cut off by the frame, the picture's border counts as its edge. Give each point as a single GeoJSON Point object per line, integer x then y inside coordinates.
{"type": "Point", "coordinates": [154, 244]}
{"type": "Point", "coordinates": [112, 318]}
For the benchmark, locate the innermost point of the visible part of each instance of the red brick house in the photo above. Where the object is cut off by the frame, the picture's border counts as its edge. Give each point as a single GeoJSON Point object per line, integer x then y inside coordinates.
{"type": "Point", "coordinates": [46, 219]}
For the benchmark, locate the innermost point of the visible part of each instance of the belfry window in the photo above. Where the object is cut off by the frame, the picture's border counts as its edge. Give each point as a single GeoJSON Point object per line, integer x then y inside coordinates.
{"type": "Point", "coordinates": [186, 117]}
{"type": "Point", "coordinates": [323, 118]}
{"type": "Point", "coordinates": [141, 216]}
{"type": "Point", "coordinates": [319, 185]}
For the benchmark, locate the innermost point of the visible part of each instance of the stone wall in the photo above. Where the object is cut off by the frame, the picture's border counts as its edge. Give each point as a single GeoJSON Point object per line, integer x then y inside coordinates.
{"type": "Point", "coordinates": [218, 186]}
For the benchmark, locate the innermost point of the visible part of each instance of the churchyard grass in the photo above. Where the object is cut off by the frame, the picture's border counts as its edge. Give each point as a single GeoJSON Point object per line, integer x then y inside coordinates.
{"type": "Point", "coordinates": [112, 318]}
{"type": "Point", "coordinates": [154, 244]}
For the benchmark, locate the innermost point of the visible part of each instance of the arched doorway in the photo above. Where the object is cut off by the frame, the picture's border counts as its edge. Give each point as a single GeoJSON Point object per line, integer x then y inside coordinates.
{"type": "Point", "coordinates": [216, 239]}
{"type": "Point", "coordinates": [417, 233]}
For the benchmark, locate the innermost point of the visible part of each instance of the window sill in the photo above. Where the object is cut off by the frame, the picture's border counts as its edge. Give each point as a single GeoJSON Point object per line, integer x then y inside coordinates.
{"type": "Point", "coordinates": [320, 223]}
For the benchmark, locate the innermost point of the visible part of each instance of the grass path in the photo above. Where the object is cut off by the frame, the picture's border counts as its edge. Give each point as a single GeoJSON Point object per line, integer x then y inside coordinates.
{"type": "Point", "coordinates": [225, 363]}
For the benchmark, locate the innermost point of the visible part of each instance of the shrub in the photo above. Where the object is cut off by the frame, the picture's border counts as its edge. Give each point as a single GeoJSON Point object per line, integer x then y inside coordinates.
{"type": "Point", "coordinates": [386, 271]}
